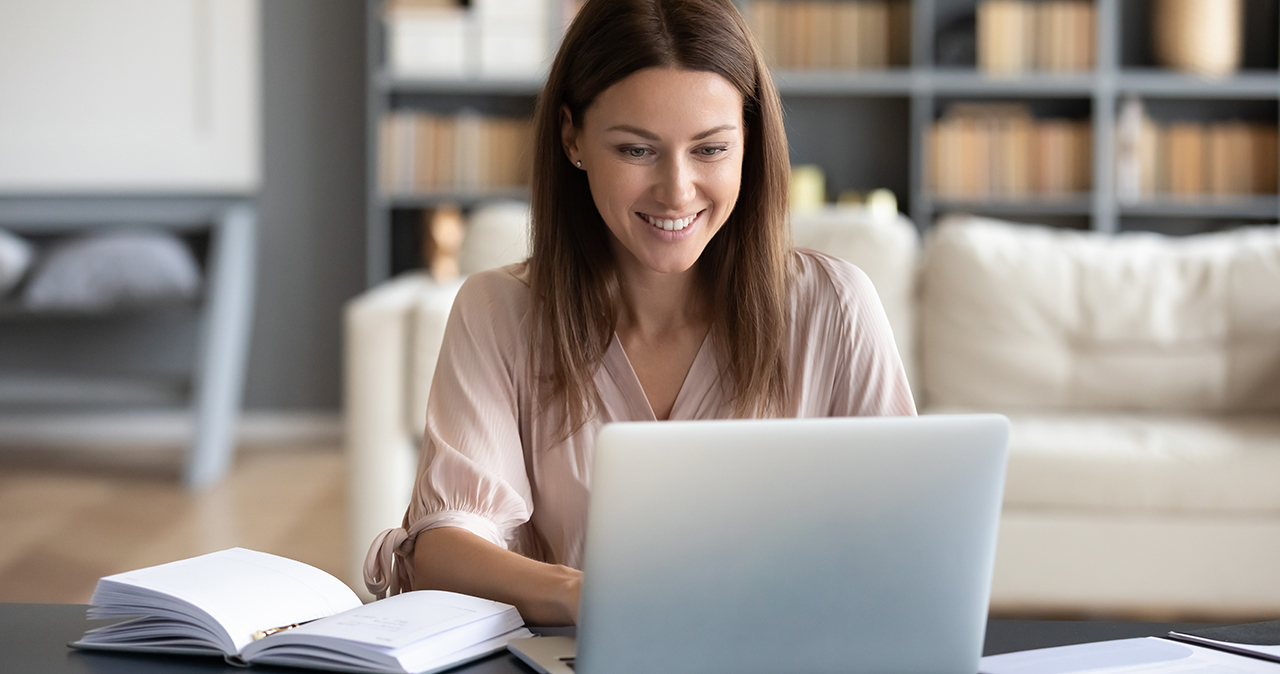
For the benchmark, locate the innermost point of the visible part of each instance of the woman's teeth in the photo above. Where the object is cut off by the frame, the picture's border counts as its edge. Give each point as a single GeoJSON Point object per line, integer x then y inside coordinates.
{"type": "Point", "coordinates": [670, 225]}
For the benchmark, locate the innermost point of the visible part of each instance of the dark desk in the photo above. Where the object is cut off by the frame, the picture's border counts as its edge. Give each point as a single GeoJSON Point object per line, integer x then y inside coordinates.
{"type": "Point", "coordinates": [34, 638]}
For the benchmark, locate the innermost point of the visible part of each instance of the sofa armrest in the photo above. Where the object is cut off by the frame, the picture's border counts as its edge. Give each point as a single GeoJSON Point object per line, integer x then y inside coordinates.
{"type": "Point", "coordinates": [381, 450]}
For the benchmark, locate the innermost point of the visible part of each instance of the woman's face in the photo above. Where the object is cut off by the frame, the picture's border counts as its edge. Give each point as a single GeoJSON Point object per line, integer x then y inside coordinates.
{"type": "Point", "coordinates": [662, 150]}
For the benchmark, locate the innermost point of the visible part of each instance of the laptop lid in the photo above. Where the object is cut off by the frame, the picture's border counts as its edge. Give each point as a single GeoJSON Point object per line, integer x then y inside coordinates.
{"type": "Point", "coordinates": [798, 545]}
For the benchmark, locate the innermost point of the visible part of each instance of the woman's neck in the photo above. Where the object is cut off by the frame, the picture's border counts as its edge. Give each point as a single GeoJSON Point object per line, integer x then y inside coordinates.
{"type": "Point", "coordinates": [656, 304]}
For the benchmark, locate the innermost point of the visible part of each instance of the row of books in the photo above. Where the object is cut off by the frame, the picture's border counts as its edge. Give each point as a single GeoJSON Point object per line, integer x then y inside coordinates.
{"type": "Point", "coordinates": [486, 38]}
{"type": "Point", "coordinates": [421, 151]}
{"type": "Point", "coordinates": [833, 34]}
{"type": "Point", "coordinates": [1001, 151]}
{"type": "Point", "coordinates": [1016, 36]}
{"type": "Point", "coordinates": [1227, 158]}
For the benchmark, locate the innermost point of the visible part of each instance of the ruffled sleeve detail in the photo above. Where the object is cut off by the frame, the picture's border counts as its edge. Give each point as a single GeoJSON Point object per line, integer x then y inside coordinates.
{"type": "Point", "coordinates": [471, 469]}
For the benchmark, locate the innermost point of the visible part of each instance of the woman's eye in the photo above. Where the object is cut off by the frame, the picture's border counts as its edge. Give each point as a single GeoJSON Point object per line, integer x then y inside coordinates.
{"type": "Point", "coordinates": [712, 151]}
{"type": "Point", "coordinates": [634, 152]}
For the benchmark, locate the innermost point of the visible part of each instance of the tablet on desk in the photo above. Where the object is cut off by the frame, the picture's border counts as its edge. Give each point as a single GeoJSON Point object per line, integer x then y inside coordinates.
{"type": "Point", "coordinates": [816, 545]}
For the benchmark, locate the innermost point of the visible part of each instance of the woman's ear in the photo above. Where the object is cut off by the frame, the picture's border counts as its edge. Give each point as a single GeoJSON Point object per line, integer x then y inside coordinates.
{"type": "Point", "coordinates": [568, 134]}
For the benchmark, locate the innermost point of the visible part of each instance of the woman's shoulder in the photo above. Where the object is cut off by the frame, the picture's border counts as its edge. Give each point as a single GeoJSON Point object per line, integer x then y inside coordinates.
{"type": "Point", "coordinates": [509, 284]}
{"type": "Point", "coordinates": [495, 295]}
{"type": "Point", "coordinates": [819, 278]}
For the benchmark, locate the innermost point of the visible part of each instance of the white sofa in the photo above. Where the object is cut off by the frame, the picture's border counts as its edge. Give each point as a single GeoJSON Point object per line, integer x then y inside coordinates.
{"type": "Point", "coordinates": [1141, 375]}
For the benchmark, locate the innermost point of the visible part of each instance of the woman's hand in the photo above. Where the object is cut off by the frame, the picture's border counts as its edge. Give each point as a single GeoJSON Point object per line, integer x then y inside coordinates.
{"type": "Point", "coordinates": [457, 560]}
{"type": "Point", "coordinates": [572, 595]}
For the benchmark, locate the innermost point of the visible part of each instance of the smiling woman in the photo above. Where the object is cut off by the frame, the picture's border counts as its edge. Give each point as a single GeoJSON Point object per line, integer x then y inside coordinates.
{"type": "Point", "coordinates": [637, 92]}
{"type": "Point", "coordinates": [662, 150]}
{"type": "Point", "coordinates": [661, 285]}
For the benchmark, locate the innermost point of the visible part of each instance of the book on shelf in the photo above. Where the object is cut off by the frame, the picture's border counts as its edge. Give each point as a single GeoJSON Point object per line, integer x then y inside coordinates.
{"type": "Point", "coordinates": [428, 39]}
{"type": "Point", "coordinates": [1001, 151]}
{"type": "Point", "coordinates": [480, 38]}
{"type": "Point", "coordinates": [254, 608]}
{"type": "Point", "coordinates": [829, 35]}
{"type": "Point", "coordinates": [421, 152]}
{"type": "Point", "coordinates": [1016, 36]}
{"type": "Point", "coordinates": [1229, 158]}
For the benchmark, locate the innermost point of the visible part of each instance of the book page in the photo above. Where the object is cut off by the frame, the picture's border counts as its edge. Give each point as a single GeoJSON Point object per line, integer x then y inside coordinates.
{"type": "Point", "coordinates": [1259, 639]}
{"type": "Point", "coordinates": [245, 591]}
{"type": "Point", "coordinates": [401, 620]}
{"type": "Point", "coordinates": [1148, 655]}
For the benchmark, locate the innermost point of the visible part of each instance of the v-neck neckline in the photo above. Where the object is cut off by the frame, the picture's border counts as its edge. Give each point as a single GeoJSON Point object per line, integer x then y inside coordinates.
{"type": "Point", "coordinates": [619, 365]}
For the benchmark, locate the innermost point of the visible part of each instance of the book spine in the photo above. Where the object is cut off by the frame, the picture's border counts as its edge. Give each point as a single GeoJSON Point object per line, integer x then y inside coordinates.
{"type": "Point", "coordinates": [762, 16]}
{"type": "Point", "coordinates": [846, 45]}
{"type": "Point", "coordinates": [1186, 156]}
{"type": "Point", "coordinates": [1266, 159]}
{"type": "Point", "coordinates": [877, 33]}
{"type": "Point", "coordinates": [900, 33]}
{"type": "Point", "coordinates": [821, 34]}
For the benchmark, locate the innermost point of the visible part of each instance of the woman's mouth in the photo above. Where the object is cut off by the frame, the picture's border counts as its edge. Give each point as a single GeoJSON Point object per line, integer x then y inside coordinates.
{"type": "Point", "coordinates": [670, 225]}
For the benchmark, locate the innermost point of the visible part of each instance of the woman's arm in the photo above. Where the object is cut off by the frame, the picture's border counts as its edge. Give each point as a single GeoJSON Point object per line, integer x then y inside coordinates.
{"type": "Point", "coordinates": [453, 559]}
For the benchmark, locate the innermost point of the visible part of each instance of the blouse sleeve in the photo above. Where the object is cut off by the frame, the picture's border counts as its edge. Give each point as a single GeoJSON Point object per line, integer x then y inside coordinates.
{"type": "Point", "coordinates": [471, 470]}
{"type": "Point", "coordinates": [869, 379]}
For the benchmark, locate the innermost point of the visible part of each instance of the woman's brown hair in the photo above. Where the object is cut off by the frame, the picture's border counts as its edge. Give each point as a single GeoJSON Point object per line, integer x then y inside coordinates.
{"type": "Point", "coordinates": [743, 270]}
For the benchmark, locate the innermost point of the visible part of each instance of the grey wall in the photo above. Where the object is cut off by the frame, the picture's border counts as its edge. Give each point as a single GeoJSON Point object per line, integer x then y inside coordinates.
{"type": "Point", "coordinates": [311, 210]}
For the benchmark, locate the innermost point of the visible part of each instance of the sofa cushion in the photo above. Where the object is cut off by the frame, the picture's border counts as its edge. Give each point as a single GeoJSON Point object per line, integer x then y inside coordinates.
{"type": "Point", "coordinates": [1025, 317]}
{"type": "Point", "coordinates": [16, 254]}
{"type": "Point", "coordinates": [1144, 462]}
{"type": "Point", "coordinates": [99, 271]}
{"type": "Point", "coordinates": [497, 234]}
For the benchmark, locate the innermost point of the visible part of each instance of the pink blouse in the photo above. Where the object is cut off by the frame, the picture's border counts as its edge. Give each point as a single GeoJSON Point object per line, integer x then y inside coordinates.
{"type": "Point", "coordinates": [493, 464]}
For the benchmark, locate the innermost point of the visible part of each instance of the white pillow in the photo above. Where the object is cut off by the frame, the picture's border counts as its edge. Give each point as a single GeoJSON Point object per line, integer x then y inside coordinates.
{"type": "Point", "coordinates": [15, 260]}
{"type": "Point", "coordinates": [497, 235]}
{"type": "Point", "coordinates": [101, 271]}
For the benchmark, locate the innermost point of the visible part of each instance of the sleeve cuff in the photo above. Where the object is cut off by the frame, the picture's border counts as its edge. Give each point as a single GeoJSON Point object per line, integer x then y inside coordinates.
{"type": "Point", "coordinates": [476, 524]}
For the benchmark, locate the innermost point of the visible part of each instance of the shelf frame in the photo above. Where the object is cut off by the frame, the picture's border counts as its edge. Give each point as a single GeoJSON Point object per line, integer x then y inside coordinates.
{"type": "Point", "coordinates": [922, 84]}
{"type": "Point", "coordinates": [225, 313]}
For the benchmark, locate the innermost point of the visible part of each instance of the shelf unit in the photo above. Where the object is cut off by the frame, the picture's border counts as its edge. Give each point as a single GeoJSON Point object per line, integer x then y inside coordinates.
{"type": "Point", "coordinates": [175, 355]}
{"type": "Point", "coordinates": [869, 129]}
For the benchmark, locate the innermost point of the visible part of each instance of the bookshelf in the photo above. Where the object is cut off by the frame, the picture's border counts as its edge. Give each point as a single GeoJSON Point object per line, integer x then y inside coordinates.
{"type": "Point", "coordinates": [871, 128]}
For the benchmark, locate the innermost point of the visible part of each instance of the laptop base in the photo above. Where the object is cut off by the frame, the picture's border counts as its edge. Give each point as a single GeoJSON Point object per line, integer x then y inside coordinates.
{"type": "Point", "coordinates": [547, 655]}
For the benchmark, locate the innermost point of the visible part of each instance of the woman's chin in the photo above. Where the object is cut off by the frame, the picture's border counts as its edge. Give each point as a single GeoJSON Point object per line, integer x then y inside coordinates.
{"type": "Point", "coordinates": [672, 264]}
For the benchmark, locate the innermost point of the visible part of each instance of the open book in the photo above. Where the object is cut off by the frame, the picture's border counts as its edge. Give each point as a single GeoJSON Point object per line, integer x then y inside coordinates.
{"type": "Point", "coordinates": [252, 607]}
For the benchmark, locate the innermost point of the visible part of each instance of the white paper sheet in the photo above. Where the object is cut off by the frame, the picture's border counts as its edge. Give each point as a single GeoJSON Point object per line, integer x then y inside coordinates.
{"type": "Point", "coordinates": [246, 591]}
{"type": "Point", "coordinates": [1149, 655]}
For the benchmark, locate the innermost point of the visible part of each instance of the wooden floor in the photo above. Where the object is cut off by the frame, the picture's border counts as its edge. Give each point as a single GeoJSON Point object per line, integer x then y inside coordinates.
{"type": "Point", "coordinates": [70, 517]}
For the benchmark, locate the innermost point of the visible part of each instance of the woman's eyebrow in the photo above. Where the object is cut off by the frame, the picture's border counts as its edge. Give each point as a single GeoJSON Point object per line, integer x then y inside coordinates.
{"type": "Point", "coordinates": [653, 136]}
{"type": "Point", "coordinates": [718, 129]}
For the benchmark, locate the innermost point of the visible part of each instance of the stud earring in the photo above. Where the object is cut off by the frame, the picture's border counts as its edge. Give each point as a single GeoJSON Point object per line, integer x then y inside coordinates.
{"type": "Point", "coordinates": [578, 163]}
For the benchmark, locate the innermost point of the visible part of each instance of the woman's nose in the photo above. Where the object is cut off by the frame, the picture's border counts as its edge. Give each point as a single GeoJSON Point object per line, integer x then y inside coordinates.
{"type": "Point", "coordinates": [675, 188]}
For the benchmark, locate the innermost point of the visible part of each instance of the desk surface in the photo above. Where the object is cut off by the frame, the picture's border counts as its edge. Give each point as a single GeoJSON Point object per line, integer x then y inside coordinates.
{"type": "Point", "coordinates": [34, 637]}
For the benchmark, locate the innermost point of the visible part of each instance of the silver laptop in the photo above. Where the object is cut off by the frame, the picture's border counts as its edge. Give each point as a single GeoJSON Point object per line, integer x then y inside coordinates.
{"type": "Point", "coordinates": [801, 545]}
